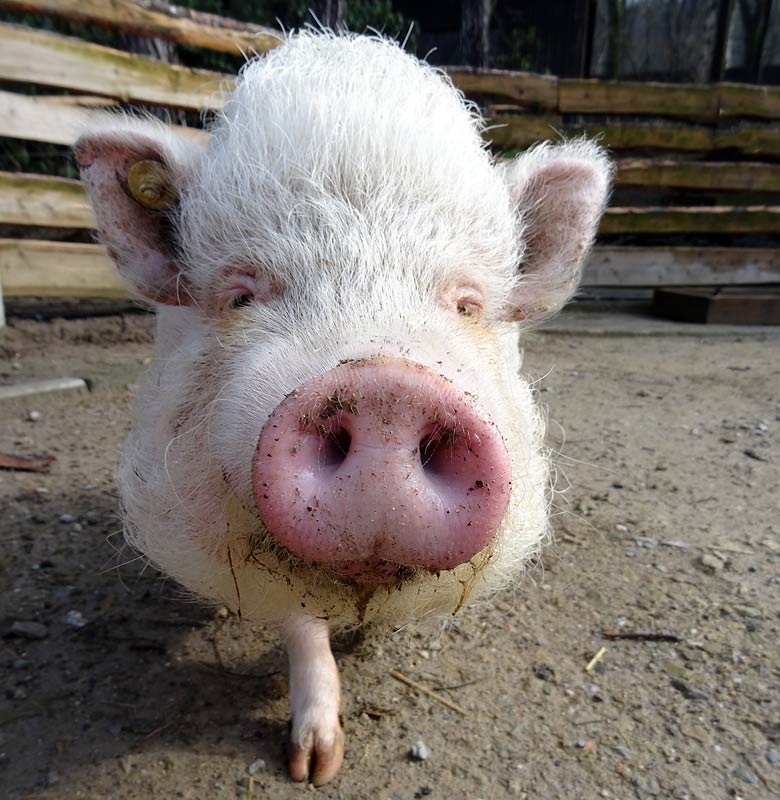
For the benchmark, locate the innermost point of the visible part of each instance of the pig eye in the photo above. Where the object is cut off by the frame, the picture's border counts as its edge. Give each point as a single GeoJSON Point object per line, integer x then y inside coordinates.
{"type": "Point", "coordinates": [241, 300]}
{"type": "Point", "coordinates": [467, 308]}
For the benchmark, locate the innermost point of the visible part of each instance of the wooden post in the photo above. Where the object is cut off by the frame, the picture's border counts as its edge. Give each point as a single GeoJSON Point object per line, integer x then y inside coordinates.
{"type": "Point", "coordinates": [755, 24]}
{"type": "Point", "coordinates": [615, 37]}
{"type": "Point", "coordinates": [330, 13]}
{"type": "Point", "coordinates": [475, 32]}
{"type": "Point", "coordinates": [718, 65]}
{"type": "Point", "coordinates": [591, 10]}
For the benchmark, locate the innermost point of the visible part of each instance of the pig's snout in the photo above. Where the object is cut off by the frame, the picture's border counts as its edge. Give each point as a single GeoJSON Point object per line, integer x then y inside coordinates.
{"type": "Point", "coordinates": [381, 464]}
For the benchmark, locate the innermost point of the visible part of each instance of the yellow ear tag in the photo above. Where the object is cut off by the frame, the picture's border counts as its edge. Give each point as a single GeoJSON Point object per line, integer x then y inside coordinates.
{"type": "Point", "coordinates": [151, 185]}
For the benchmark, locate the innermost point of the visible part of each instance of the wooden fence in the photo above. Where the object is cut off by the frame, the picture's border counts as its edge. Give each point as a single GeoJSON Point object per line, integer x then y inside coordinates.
{"type": "Point", "coordinates": [695, 163]}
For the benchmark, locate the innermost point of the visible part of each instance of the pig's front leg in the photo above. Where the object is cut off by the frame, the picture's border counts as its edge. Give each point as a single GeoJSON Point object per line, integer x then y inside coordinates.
{"type": "Point", "coordinates": [317, 746]}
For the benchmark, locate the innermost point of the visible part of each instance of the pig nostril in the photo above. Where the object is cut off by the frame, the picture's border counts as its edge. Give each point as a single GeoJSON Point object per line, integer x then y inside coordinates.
{"type": "Point", "coordinates": [334, 447]}
{"type": "Point", "coordinates": [436, 452]}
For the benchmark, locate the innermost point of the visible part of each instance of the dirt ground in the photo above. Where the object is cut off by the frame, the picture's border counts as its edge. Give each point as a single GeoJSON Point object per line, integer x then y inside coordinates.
{"type": "Point", "coordinates": [666, 555]}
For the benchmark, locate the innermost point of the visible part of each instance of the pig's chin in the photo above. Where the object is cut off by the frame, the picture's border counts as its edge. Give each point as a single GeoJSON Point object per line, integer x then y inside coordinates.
{"type": "Point", "coordinates": [371, 572]}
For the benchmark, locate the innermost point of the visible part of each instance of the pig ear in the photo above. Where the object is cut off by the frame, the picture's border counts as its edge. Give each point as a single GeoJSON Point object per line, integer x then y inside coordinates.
{"type": "Point", "coordinates": [133, 180]}
{"type": "Point", "coordinates": [559, 192]}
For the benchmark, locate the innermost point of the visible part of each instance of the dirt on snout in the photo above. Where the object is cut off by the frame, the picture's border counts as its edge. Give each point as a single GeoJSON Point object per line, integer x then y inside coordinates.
{"type": "Point", "coordinates": [639, 659]}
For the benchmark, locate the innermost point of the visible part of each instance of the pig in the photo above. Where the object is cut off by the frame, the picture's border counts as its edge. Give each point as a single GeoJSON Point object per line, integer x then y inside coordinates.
{"type": "Point", "coordinates": [334, 431]}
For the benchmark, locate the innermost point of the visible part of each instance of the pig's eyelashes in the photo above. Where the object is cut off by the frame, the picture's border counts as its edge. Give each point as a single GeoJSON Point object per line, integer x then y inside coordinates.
{"type": "Point", "coordinates": [241, 300]}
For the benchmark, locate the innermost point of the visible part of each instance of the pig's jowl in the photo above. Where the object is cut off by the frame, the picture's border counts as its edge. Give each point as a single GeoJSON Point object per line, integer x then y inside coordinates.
{"type": "Point", "coordinates": [334, 431]}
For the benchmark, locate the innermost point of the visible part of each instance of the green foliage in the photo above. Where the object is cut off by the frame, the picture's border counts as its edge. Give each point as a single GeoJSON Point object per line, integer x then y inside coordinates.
{"type": "Point", "coordinates": [518, 50]}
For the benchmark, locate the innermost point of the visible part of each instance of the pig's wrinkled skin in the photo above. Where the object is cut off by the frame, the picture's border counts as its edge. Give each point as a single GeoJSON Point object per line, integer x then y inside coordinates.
{"type": "Point", "coordinates": [344, 212]}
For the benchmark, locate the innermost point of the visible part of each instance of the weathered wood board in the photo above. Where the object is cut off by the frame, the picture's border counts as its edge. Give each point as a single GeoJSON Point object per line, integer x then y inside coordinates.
{"type": "Point", "coordinates": [43, 200]}
{"type": "Point", "coordinates": [59, 119]}
{"type": "Point", "coordinates": [674, 266]}
{"type": "Point", "coordinates": [48, 59]}
{"type": "Point", "coordinates": [53, 269]}
{"type": "Point", "coordinates": [177, 23]}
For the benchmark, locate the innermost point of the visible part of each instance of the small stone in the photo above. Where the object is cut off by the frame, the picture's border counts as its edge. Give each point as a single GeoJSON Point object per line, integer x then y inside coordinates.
{"type": "Point", "coordinates": [751, 453]}
{"type": "Point", "coordinates": [745, 775]}
{"type": "Point", "coordinates": [687, 690]}
{"type": "Point", "coordinates": [419, 751]}
{"type": "Point", "coordinates": [593, 691]}
{"type": "Point", "coordinates": [75, 619]}
{"type": "Point", "coordinates": [760, 429]}
{"type": "Point", "coordinates": [66, 519]}
{"type": "Point", "coordinates": [585, 507]}
{"type": "Point", "coordinates": [544, 672]}
{"type": "Point", "coordinates": [77, 527]}
{"type": "Point", "coordinates": [773, 755]}
{"type": "Point", "coordinates": [222, 613]}
{"type": "Point", "coordinates": [678, 543]}
{"type": "Point", "coordinates": [648, 786]}
{"type": "Point", "coordinates": [676, 670]}
{"type": "Point", "coordinates": [29, 630]}
{"type": "Point", "coordinates": [33, 415]}
{"type": "Point", "coordinates": [623, 750]}
{"type": "Point", "coordinates": [645, 541]}
{"type": "Point", "coordinates": [631, 552]}
{"type": "Point", "coordinates": [257, 766]}
{"type": "Point", "coordinates": [661, 467]}
{"type": "Point", "coordinates": [712, 563]}
{"type": "Point", "coordinates": [617, 485]}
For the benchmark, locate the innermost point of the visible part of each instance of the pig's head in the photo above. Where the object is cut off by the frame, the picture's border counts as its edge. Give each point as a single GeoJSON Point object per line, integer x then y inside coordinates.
{"type": "Point", "coordinates": [334, 422]}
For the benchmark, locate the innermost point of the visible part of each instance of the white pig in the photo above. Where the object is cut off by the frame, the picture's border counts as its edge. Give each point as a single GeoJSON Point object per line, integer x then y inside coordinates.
{"type": "Point", "coordinates": [333, 431]}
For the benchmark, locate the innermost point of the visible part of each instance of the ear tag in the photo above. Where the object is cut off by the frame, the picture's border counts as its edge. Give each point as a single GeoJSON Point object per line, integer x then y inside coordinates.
{"type": "Point", "coordinates": [151, 185]}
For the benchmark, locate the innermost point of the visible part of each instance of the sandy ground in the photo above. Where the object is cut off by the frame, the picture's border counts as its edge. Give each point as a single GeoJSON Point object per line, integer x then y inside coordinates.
{"type": "Point", "coordinates": [666, 554]}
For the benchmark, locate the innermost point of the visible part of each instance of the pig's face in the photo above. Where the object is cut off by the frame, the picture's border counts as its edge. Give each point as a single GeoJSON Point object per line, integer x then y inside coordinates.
{"type": "Point", "coordinates": [334, 423]}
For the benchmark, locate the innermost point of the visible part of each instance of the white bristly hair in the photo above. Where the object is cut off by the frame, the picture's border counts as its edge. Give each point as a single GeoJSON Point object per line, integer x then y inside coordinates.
{"type": "Point", "coordinates": [354, 177]}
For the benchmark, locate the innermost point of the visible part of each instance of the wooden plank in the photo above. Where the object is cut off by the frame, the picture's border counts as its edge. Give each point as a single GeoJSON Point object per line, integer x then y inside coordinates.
{"type": "Point", "coordinates": [745, 100]}
{"type": "Point", "coordinates": [694, 219]}
{"type": "Point", "coordinates": [591, 96]}
{"type": "Point", "coordinates": [525, 89]}
{"type": "Point", "coordinates": [55, 269]}
{"type": "Point", "coordinates": [43, 200]}
{"type": "Point", "coordinates": [750, 141]}
{"type": "Point", "coordinates": [46, 119]}
{"type": "Point", "coordinates": [744, 176]}
{"type": "Point", "coordinates": [48, 59]}
{"type": "Point", "coordinates": [518, 131]}
{"type": "Point", "coordinates": [31, 268]}
{"type": "Point", "coordinates": [679, 266]}
{"type": "Point", "coordinates": [728, 305]}
{"type": "Point", "coordinates": [159, 19]}
{"type": "Point", "coordinates": [36, 119]}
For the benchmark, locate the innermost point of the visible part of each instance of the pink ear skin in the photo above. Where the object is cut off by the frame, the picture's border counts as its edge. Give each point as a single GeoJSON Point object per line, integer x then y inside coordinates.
{"type": "Point", "coordinates": [559, 193]}
{"type": "Point", "coordinates": [138, 239]}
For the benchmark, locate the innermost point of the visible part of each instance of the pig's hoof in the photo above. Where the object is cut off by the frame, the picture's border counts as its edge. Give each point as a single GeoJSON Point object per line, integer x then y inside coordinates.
{"type": "Point", "coordinates": [317, 753]}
